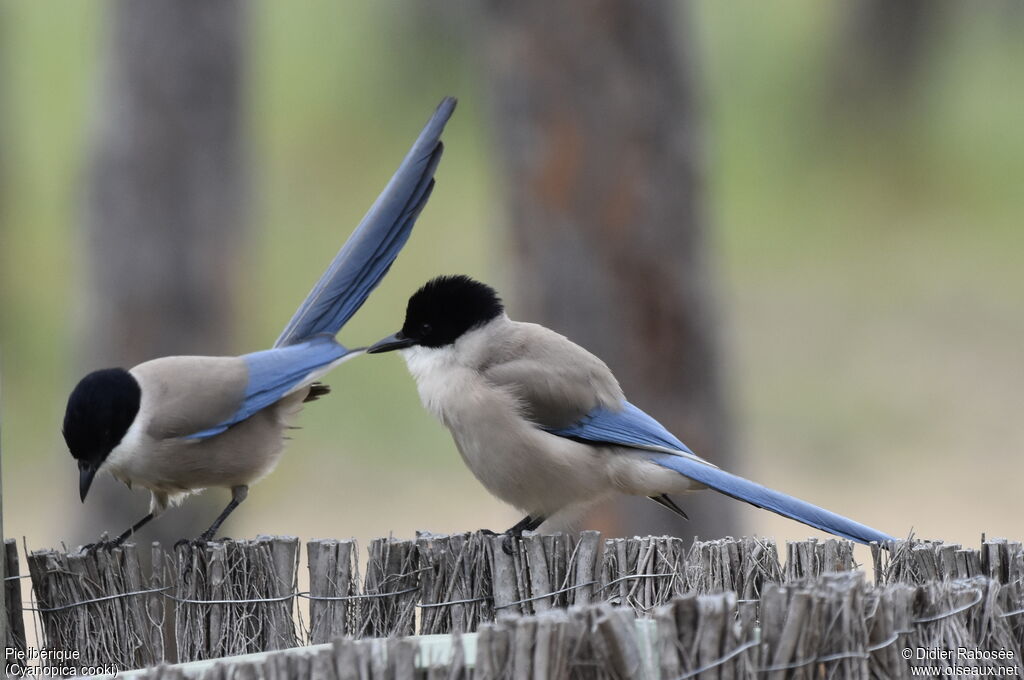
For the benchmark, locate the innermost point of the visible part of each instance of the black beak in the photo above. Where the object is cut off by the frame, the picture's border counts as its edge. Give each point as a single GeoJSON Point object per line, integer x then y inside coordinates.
{"type": "Point", "coordinates": [391, 343]}
{"type": "Point", "coordinates": [85, 475]}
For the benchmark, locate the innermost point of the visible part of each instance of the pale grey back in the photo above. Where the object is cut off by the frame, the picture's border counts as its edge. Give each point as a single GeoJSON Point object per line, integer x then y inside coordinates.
{"type": "Point", "coordinates": [194, 392]}
{"type": "Point", "coordinates": [556, 381]}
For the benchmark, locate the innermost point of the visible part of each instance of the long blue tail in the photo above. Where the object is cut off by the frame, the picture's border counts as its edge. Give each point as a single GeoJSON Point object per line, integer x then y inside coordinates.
{"type": "Point", "coordinates": [368, 253]}
{"type": "Point", "coordinates": [769, 499]}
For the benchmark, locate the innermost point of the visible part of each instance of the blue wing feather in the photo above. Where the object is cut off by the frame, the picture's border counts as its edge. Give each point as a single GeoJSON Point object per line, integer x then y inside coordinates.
{"type": "Point", "coordinates": [629, 427]}
{"type": "Point", "coordinates": [307, 344]}
{"type": "Point", "coordinates": [275, 372]}
{"type": "Point", "coordinates": [371, 249]}
{"type": "Point", "coordinates": [632, 427]}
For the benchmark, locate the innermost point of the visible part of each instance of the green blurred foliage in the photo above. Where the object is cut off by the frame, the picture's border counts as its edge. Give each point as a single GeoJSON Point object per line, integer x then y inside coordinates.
{"type": "Point", "coordinates": [869, 257]}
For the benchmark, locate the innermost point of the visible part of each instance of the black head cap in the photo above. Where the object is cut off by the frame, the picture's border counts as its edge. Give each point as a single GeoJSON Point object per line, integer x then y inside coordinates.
{"type": "Point", "coordinates": [445, 308]}
{"type": "Point", "coordinates": [100, 410]}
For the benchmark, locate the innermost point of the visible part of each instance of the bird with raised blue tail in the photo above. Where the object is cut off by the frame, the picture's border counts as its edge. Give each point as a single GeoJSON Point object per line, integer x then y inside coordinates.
{"type": "Point", "coordinates": [177, 425]}
{"type": "Point", "coordinates": [543, 423]}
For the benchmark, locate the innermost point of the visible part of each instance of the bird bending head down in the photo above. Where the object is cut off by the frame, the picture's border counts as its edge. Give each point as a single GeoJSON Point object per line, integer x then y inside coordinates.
{"type": "Point", "coordinates": [176, 425]}
{"type": "Point", "coordinates": [100, 410]}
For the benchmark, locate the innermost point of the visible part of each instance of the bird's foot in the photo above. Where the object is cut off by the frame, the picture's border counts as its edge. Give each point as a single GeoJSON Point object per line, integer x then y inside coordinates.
{"type": "Point", "coordinates": [192, 542]}
{"type": "Point", "coordinates": [510, 536]}
{"type": "Point", "coordinates": [508, 545]}
{"type": "Point", "coordinates": [103, 544]}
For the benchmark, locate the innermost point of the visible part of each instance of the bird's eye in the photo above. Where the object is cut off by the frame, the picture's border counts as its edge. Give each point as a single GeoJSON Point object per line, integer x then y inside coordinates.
{"type": "Point", "coordinates": [425, 328]}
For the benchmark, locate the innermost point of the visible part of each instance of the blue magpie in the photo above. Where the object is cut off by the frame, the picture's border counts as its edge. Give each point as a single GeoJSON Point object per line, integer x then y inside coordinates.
{"type": "Point", "coordinates": [176, 425]}
{"type": "Point", "coordinates": [543, 423]}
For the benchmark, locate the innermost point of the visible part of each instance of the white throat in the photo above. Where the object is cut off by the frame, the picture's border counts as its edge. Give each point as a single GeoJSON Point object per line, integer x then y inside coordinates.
{"type": "Point", "coordinates": [443, 374]}
{"type": "Point", "coordinates": [433, 369]}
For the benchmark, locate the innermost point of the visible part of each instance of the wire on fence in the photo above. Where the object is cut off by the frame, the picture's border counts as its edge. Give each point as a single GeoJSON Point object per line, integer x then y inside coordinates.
{"type": "Point", "coordinates": [979, 596]}
{"type": "Point", "coordinates": [462, 568]}
{"type": "Point", "coordinates": [430, 605]}
{"type": "Point", "coordinates": [551, 594]}
{"type": "Point", "coordinates": [252, 600]}
{"type": "Point", "coordinates": [105, 598]}
{"type": "Point", "coordinates": [718, 662]}
{"type": "Point", "coordinates": [362, 596]}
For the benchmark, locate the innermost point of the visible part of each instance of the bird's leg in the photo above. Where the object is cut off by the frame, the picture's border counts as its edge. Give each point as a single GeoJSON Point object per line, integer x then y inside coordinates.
{"type": "Point", "coordinates": [528, 523]}
{"type": "Point", "coordinates": [132, 529]}
{"type": "Point", "coordinates": [664, 501]}
{"type": "Point", "coordinates": [110, 545]}
{"type": "Point", "coordinates": [238, 494]}
{"type": "Point", "coordinates": [91, 548]}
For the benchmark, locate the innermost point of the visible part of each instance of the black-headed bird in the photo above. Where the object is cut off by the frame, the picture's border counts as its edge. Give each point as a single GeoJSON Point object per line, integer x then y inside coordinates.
{"type": "Point", "coordinates": [543, 423]}
{"type": "Point", "coordinates": [176, 425]}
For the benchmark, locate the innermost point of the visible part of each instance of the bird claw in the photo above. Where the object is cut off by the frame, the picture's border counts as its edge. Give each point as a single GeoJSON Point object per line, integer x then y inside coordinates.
{"type": "Point", "coordinates": [508, 544]}
{"type": "Point", "coordinates": [93, 548]}
{"type": "Point", "coordinates": [102, 544]}
{"type": "Point", "coordinates": [191, 542]}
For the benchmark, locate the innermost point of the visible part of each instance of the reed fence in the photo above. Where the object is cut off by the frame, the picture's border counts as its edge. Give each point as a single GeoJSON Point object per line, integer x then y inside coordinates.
{"type": "Point", "coordinates": [557, 606]}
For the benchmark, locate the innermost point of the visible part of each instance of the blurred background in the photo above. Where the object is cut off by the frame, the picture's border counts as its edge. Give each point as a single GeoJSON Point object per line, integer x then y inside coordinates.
{"type": "Point", "coordinates": [793, 230]}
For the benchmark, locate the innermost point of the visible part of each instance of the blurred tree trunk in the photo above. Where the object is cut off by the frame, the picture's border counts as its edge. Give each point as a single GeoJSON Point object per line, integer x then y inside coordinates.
{"type": "Point", "coordinates": [3, 227]}
{"type": "Point", "coordinates": [883, 53]}
{"type": "Point", "coordinates": [596, 117]}
{"type": "Point", "coordinates": [163, 210]}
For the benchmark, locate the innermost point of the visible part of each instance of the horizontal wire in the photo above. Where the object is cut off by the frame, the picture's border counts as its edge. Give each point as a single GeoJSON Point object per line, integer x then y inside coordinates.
{"type": "Point", "coordinates": [329, 598]}
{"type": "Point", "coordinates": [105, 598]}
{"type": "Point", "coordinates": [718, 662]}
{"type": "Point", "coordinates": [541, 597]}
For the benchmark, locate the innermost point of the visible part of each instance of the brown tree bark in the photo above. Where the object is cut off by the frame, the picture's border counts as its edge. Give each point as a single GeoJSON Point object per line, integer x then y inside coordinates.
{"type": "Point", "coordinates": [163, 209]}
{"type": "Point", "coordinates": [596, 117]}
